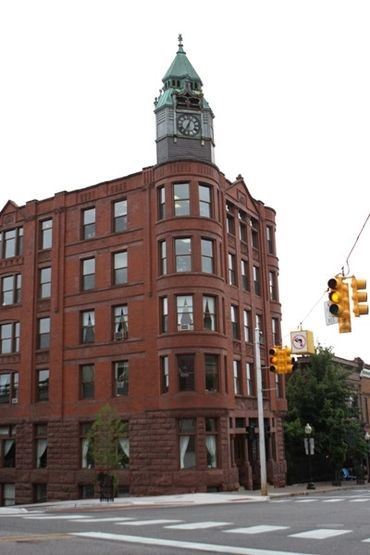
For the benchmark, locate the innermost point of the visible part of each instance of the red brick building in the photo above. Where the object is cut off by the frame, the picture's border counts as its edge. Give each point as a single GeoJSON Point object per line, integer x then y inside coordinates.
{"type": "Point", "coordinates": [144, 293]}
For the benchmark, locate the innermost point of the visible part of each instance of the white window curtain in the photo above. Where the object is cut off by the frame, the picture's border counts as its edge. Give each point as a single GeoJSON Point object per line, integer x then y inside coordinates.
{"type": "Point", "coordinates": [85, 449]}
{"type": "Point", "coordinates": [184, 442]}
{"type": "Point", "coordinates": [8, 446]}
{"type": "Point", "coordinates": [42, 445]}
{"type": "Point", "coordinates": [125, 445]}
{"type": "Point", "coordinates": [211, 448]}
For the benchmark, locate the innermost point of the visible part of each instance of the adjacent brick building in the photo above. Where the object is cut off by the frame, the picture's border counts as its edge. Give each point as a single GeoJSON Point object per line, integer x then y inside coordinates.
{"type": "Point", "coordinates": [144, 293]}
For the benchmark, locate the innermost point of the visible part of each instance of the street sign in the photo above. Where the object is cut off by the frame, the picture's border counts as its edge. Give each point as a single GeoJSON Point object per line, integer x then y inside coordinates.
{"type": "Point", "coordinates": [329, 318]}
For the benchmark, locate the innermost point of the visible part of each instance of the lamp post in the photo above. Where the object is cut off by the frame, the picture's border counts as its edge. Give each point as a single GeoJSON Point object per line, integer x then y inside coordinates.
{"type": "Point", "coordinates": [309, 447]}
{"type": "Point", "coordinates": [261, 426]}
{"type": "Point", "coordinates": [367, 439]}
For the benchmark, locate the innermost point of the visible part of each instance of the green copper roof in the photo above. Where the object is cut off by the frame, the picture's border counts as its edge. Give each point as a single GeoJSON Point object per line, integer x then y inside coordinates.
{"type": "Point", "coordinates": [181, 68]}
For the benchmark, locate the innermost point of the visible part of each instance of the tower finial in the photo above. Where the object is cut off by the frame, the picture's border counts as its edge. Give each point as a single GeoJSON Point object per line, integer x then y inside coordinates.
{"type": "Point", "coordinates": [180, 40]}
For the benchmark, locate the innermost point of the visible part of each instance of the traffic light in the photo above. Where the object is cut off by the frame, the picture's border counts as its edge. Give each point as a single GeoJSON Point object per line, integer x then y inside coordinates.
{"type": "Point", "coordinates": [288, 361]}
{"type": "Point", "coordinates": [359, 297]}
{"type": "Point", "coordinates": [339, 303]}
{"type": "Point", "coordinates": [281, 361]}
{"type": "Point", "coordinates": [274, 359]}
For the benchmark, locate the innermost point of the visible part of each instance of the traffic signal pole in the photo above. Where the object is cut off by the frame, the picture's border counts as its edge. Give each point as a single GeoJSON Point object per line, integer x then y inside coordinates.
{"type": "Point", "coordinates": [261, 423]}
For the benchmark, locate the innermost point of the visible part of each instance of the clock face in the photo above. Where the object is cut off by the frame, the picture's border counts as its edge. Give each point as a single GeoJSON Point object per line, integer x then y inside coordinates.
{"type": "Point", "coordinates": [188, 124]}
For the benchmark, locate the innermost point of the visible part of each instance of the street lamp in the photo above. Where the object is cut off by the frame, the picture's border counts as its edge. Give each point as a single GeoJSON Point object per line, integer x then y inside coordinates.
{"type": "Point", "coordinates": [309, 447]}
{"type": "Point", "coordinates": [367, 439]}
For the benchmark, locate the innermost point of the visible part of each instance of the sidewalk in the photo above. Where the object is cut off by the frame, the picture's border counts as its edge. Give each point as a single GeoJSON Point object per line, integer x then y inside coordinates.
{"type": "Point", "coordinates": [186, 499]}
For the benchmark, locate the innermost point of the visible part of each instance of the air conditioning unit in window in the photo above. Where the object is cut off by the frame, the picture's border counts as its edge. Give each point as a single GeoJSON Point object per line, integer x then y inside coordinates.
{"type": "Point", "coordinates": [118, 336]}
{"type": "Point", "coordinates": [14, 401]}
{"type": "Point", "coordinates": [186, 327]}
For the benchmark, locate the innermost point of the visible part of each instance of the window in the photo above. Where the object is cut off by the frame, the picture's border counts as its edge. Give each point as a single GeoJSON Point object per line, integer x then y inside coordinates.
{"type": "Point", "coordinates": [9, 337]}
{"type": "Point", "coordinates": [88, 223]}
{"type": "Point", "coordinates": [43, 336]}
{"type": "Point", "coordinates": [7, 446]}
{"type": "Point", "coordinates": [162, 258]}
{"type": "Point", "coordinates": [230, 221]}
{"type": "Point", "coordinates": [11, 243]}
{"type": "Point", "coordinates": [46, 234]}
{"type": "Point", "coordinates": [250, 378]}
{"type": "Point", "coordinates": [237, 377]}
{"type": "Point", "coordinates": [41, 445]}
{"type": "Point", "coordinates": [207, 256]}
{"type": "Point", "coordinates": [44, 283]}
{"type": "Point", "coordinates": [235, 322]}
{"type": "Point", "coordinates": [9, 382]}
{"type": "Point", "coordinates": [187, 442]}
{"type": "Point", "coordinates": [244, 270]}
{"type": "Point", "coordinates": [255, 239]}
{"type": "Point", "coordinates": [7, 495]}
{"type": "Point", "coordinates": [181, 195]}
{"type": "Point", "coordinates": [87, 381]}
{"type": "Point", "coordinates": [231, 268]}
{"type": "Point", "coordinates": [163, 361]}
{"type": "Point", "coordinates": [279, 387]}
{"type": "Point", "coordinates": [183, 254]}
{"type": "Point", "coordinates": [163, 315]}
{"type": "Point", "coordinates": [205, 201]}
{"type": "Point", "coordinates": [273, 287]}
{"type": "Point", "coordinates": [161, 191]}
{"type": "Point", "coordinates": [124, 446]}
{"type": "Point", "coordinates": [120, 268]}
{"type": "Point", "coordinates": [275, 328]}
{"type": "Point", "coordinates": [88, 274]}
{"type": "Point", "coordinates": [42, 388]}
{"type": "Point", "coordinates": [120, 316]}
{"type": "Point", "coordinates": [184, 305]}
{"type": "Point", "coordinates": [211, 372]}
{"type": "Point", "coordinates": [11, 289]}
{"type": "Point", "coordinates": [120, 216]}
{"type": "Point", "coordinates": [88, 326]}
{"type": "Point", "coordinates": [259, 322]}
{"type": "Point", "coordinates": [211, 442]}
{"type": "Point", "coordinates": [185, 368]}
{"type": "Point", "coordinates": [120, 370]}
{"type": "Point", "coordinates": [270, 239]}
{"type": "Point", "coordinates": [257, 280]}
{"type": "Point", "coordinates": [209, 313]}
{"type": "Point", "coordinates": [87, 459]}
{"type": "Point", "coordinates": [247, 322]}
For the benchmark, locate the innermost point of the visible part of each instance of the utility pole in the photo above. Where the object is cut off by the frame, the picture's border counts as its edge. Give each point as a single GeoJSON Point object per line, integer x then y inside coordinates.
{"type": "Point", "coordinates": [261, 423]}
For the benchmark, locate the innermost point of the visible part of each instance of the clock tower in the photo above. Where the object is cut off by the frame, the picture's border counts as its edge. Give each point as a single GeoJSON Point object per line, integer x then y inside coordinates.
{"type": "Point", "coordinates": [184, 119]}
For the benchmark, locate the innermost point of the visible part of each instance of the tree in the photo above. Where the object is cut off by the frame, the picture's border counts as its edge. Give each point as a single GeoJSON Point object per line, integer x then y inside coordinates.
{"type": "Point", "coordinates": [320, 394]}
{"type": "Point", "coordinates": [105, 438]}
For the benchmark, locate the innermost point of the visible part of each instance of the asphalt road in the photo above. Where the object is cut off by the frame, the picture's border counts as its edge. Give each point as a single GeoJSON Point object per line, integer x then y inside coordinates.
{"type": "Point", "coordinates": [319, 524]}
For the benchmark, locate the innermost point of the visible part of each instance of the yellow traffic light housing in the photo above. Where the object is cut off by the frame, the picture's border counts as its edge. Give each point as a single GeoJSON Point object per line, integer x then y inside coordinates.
{"type": "Point", "coordinates": [274, 359]}
{"type": "Point", "coordinates": [339, 303]}
{"type": "Point", "coordinates": [281, 361]}
{"type": "Point", "coordinates": [359, 297]}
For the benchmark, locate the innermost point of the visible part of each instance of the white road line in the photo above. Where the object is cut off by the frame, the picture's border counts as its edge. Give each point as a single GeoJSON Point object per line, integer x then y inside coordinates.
{"type": "Point", "coordinates": [259, 529]}
{"type": "Point", "coordinates": [148, 522]}
{"type": "Point", "coordinates": [213, 548]}
{"type": "Point", "coordinates": [53, 517]}
{"type": "Point", "coordinates": [306, 500]}
{"type": "Point", "coordinates": [336, 500]}
{"type": "Point", "coordinates": [198, 525]}
{"type": "Point", "coordinates": [320, 534]}
{"type": "Point", "coordinates": [107, 519]}
{"type": "Point", "coordinates": [359, 500]}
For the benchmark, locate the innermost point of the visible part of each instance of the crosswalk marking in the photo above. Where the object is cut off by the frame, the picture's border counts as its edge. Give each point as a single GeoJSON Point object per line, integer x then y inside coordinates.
{"type": "Point", "coordinates": [52, 517]}
{"type": "Point", "coordinates": [320, 534]}
{"type": "Point", "coordinates": [197, 525]}
{"type": "Point", "coordinates": [148, 522]}
{"type": "Point", "coordinates": [194, 546]}
{"type": "Point", "coordinates": [259, 529]}
{"type": "Point", "coordinates": [107, 519]}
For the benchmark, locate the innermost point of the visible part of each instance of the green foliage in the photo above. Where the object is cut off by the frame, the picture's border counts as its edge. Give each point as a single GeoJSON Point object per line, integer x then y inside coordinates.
{"type": "Point", "coordinates": [320, 394]}
{"type": "Point", "coordinates": [104, 437]}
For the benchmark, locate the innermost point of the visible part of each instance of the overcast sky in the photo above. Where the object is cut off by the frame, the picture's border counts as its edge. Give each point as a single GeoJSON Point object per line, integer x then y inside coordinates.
{"type": "Point", "coordinates": [289, 84]}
